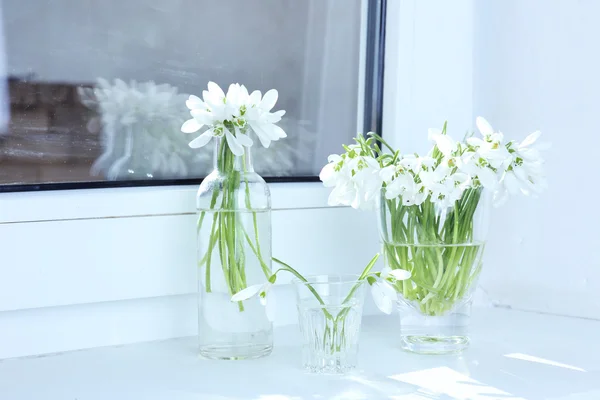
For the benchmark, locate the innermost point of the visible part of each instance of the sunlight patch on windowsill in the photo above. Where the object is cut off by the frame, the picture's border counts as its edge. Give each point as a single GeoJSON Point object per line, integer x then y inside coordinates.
{"type": "Point", "coordinates": [526, 357]}
{"type": "Point", "coordinates": [446, 381]}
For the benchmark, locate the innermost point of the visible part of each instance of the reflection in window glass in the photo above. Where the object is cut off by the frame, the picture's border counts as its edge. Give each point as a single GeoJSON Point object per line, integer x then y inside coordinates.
{"type": "Point", "coordinates": [95, 90]}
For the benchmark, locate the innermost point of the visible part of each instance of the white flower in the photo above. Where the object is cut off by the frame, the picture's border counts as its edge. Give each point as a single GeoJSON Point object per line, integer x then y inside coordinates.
{"type": "Point", "coordinates": [262, 120]}
{"type": "Point", "coordinates": [431, 177]}
{"type": "Point", "coordinates": [443, 186]}
{"type": "Point", "coordinates": [491, 148]}
{"type": "Point", "coordinates": [230, 115]}
{"type": "Point", "coordinates": [446, 145]}
{"type": "Point", "coordinates": [394, 274]}
{"type": "Point", "coordinates": [384, 294]}
{"type": "Point", "coordinates": [329, 173]}
{"type": "Point", "coordinates": [260, 289]}
{"type": "Point", "coordinates": [525, 175]}
{"type": "Point", "coordinates": [478, 168]}
{"type": "Point", "coordinates": [367, 182]}
{"type": "Point", "coordinates": [356, 181]}
{"type": "Point", "coordinates": [426, 162]}
{"type": "Point", "coordinates": [387, 173]}
{"type": "Point", "coordinates": [404, 186]}
{"type": "Point", "coordinates": [411, 162]}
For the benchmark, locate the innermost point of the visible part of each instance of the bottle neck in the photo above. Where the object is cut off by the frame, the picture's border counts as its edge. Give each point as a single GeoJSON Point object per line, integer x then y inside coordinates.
{"type": "Point", "coordinates": [225, 161]}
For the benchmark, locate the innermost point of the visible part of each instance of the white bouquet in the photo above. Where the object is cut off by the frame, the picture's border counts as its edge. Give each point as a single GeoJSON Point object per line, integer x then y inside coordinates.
{"type": "Point", "coordinates": [428, 203]}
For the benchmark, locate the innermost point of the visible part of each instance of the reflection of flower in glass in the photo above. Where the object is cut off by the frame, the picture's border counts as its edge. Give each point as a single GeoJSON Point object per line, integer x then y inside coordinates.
{"type": "Point", "coordinates": [287, 157]}
{"type": "Point", "coordinates": [140, 133]}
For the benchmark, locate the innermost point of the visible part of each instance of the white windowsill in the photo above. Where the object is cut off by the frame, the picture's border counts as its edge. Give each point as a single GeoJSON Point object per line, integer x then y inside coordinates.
{"type": "Point", "coordinates": [138, 201]}
{"type": "Point", "coordinates": [551, 357]}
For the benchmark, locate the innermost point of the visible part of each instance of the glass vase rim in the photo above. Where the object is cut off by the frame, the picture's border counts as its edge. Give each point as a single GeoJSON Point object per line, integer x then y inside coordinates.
{"type": "Point", "coordinates": [472, 243]}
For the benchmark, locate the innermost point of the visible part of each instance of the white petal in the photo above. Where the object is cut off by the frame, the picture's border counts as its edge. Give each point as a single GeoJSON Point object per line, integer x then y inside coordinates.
{"type": "Point", "coordinates": [278, 131]}
{"type": "Point", "coordinates": [264, 138]}
{"type": "Point", "coordinates": [433, 132]}
{"type": "Point", "coordinates": [380, 297]}
{"type": "Point", "coordinates": [232, 93]}
{"type": "Point", "coordinates": [244, 140]}
{"type": "Point", "coordinates": [201, 140]}
{"type": "Point", "coordinates": [255, 98]}
{"type": "Point", "coordinates": [215, 90]}
{"type": "Point", "coordinates": [335, 158]}
{"type": "Point", "coordinates": [269, 100]}
{"type": "Point", "coordinates": [202, 116]}
{"type": "Point", "coordinates": [194, 102]}
{"type": "Point", "coordinates": [445, 144]}
{"type": "Point", "coordinates": [475, 141]}
{"type": "Point", "coordinates": [530, 155]}
{"type": "Point", "coordinates": [521, 174]}
{"type": "Point", "coordinates": [191, 126]}
{"type": "Point", "coordinates": [387, 173]}
{"type": "Point", "coordinates": [484, 127]}
{"type": "Point", "coordinates": [400, 274]}
{"type": "Point", "coordinates": [511, 183]}
{"type": "Point", "coordinates": [246, 293]}
{"type": "Point", "coordinates": [385, 272]}
{"type": "Point", "coordinates": [234, 145]}
{"type": "Point", "coordinates": [327, 175]}
{"type": "Point", "coordinates": [487, 177]}
{"type": "Point", "coordinates": [529, 140]}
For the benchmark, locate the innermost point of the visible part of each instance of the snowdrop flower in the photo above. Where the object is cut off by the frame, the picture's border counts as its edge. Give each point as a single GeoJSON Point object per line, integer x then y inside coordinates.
{"type": "Point", "coordinates": [491, 148]}
{"type": "Point", "coordinates": [366, 181]}
{"type": "Point", "coordinates": [382, 290]}
{"type": "Point", "coordinates": [356, 181]}
{"type": "Point", "coordinates": [444, 143]}
{"type": "Point", "coordinates": [231, 115]}
{"type": "Point", "coordinates": [262, 120]}
{"type": "Point", "coordinates": [330, 172]}
{"type": "Point", "coordinates": [525, 175]}
{"type": "Point", "coordinates": [426, 162]}
{"type": "Point", "coordinates": [479, 169]}
{"type": "Point", "coordinates": [261, 290]}
{"type": "Point", "coordinates": [404, 186]}
{"type": "Point", "coordinates": [433, 176]}
{"type": "Point", "coordinates": [411, 162]}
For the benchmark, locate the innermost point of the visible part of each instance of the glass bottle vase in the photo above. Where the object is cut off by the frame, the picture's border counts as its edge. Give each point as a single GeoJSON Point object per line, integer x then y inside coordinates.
{"type": "Point", "coordinates": [442, 246]}
{"type": "Point", "coordinates": [234, 252]}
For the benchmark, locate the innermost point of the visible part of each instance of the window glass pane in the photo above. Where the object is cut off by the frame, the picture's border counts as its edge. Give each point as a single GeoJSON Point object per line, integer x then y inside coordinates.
{"type": "Point", "coordinates": [96, 90]}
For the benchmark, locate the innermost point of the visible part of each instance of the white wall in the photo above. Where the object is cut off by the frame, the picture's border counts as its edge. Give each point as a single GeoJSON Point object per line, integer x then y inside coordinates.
{"type": "Point", "coordinates": [88, 268]}
{"type": "Point", "coordinates": [428, 70]}
{"type": "Point", "coordinates": [537, 66]}
{"type": "Point", "coordinates": [524, 65]}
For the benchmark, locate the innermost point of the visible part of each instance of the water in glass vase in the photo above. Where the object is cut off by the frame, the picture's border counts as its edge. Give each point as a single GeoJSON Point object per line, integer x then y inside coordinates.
{"type": "Point", "coordinates": [234, 253]}
{"type": "Point", "coordinates": [435, 304]}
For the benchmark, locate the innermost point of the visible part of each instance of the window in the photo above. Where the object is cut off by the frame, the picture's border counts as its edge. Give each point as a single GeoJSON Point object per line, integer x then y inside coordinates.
{"type": "Point", "coordinates": [146, 56]}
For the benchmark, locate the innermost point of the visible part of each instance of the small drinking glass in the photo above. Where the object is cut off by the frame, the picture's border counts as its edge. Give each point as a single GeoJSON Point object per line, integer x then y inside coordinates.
{"type": "Point", "coordinates": [330, 313]}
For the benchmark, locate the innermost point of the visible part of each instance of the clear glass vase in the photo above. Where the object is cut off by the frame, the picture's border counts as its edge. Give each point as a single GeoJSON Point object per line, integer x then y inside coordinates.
{"type": "Point", "coordinates": [329, 314]}
{"type": "Point", "coordinates": [234, 252]}
{"type": "Point", "coordinates": [442, 247]}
